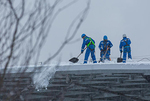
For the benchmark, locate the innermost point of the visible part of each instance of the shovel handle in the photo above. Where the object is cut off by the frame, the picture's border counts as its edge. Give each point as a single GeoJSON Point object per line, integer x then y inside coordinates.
{"type": "Point", "coordinates": [105, 52]}
{"type": "Point", "coordinates": [120, 54]}
{"type": "Point", "coordinates": [81, 53]}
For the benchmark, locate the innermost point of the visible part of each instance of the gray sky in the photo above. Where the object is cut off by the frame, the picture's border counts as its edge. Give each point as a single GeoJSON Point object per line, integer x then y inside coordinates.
{"type": "Point", "coordinates": [106, 17]}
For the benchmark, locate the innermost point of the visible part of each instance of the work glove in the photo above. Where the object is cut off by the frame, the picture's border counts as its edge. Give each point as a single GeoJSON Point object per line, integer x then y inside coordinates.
{"type": "Point", "coordinates": [82, 51]}
{"type": "Point", "coordinates": [120, 51]}
{"type": "Point", "coordinates": [102, 50]}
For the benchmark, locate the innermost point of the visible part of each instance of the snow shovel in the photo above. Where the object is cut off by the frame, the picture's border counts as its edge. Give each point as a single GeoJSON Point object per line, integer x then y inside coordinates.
{"type": "Point", "coordinates": [75, 59]}
{"type": "Point", "coordinates": [119, 59]}
{"type": "Point", "coordinates": [104, 56]}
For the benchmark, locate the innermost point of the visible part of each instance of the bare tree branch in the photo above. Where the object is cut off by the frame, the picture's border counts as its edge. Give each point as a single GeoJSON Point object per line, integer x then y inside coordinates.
{"type": "Point", "coordinates": [24, 31]}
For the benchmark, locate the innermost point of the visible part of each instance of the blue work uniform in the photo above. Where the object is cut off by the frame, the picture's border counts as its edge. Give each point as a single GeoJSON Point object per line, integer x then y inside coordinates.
{"type": "Point", "coordinates": [125, 44]}
{"type": "Point", "coordinates": [90, 43]}
{"type": "Point", "coordinates": [103, 45]}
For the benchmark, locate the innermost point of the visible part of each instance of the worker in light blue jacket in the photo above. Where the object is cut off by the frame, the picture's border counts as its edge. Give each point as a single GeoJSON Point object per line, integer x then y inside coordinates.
{"type": "Point", "coordinates": [125, 47]}
{"type": "Point", "coordinates": [104, 47]}
{"type": "Point", "coordinates": [90, 44]}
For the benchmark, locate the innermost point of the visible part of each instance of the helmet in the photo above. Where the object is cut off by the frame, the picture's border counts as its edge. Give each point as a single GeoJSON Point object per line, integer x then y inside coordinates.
{"type": "Point", "coordinates": [105, 37]}
{"type": "Point", "coordinates": [83, 35]}
{"type": "Point", "coordinates": [124, 35]}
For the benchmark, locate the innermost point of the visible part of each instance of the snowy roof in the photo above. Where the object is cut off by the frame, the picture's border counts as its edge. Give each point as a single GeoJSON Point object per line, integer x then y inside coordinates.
{"type": "Point", "coordinates": [95, 82]}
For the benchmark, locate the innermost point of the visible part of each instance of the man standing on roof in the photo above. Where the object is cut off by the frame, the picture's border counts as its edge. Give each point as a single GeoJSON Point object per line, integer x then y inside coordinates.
{"type": "Point", "coordinates": [90, 44]}
{"type": "Point", "coordinates": [125, 44]}
{"type": "Point", "coordinates": [104, 47]}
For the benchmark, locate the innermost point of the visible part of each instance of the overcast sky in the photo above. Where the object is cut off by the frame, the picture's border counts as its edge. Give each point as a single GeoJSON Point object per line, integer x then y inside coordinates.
{"type": "Point", "coordinates": [106, 17]}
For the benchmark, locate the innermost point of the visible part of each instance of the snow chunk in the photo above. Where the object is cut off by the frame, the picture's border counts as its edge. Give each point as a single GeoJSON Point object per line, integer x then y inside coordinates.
{"type": "Point", "coordinates": [41, 79]}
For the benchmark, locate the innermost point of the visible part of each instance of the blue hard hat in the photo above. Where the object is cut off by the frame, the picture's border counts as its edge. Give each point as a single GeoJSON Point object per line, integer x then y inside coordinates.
{"type": "Point", "coordinates": [83, 35]}
{"type": "Point", "coordinates": [105, 37]}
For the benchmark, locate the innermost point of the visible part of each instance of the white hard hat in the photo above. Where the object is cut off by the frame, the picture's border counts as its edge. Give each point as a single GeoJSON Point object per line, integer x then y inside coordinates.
{"type": "Point", "coordinates": [124, 35]}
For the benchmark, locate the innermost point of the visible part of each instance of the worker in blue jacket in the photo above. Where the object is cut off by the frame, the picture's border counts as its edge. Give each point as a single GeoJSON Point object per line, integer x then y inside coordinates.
{"type": "Point", "coordinates": [90, 44]}
{"type": "Point", "coordinates": [104, 47]}
{"type": "Point", "coordinates": [125, 45]}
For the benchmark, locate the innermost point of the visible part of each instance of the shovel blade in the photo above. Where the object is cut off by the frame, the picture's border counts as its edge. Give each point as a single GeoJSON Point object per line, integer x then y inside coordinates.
{"type": "Point", "coordinates": [74, 60]}
{"type": "Point", "coordinates": [119, 60]}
